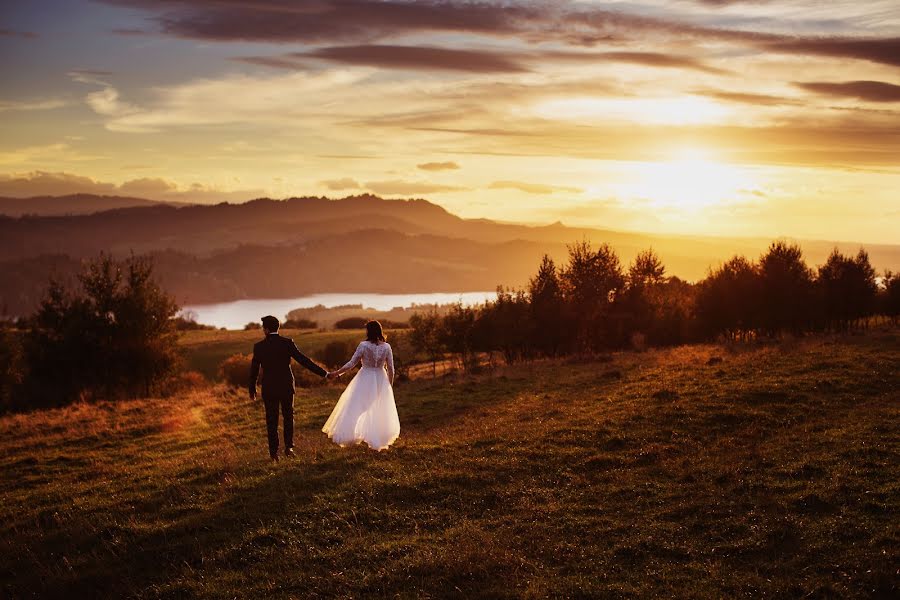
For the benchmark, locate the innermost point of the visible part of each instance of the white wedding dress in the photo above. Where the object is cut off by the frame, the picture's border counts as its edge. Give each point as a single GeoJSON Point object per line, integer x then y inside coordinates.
{"type": "Point", "coordinates": [366, 411]}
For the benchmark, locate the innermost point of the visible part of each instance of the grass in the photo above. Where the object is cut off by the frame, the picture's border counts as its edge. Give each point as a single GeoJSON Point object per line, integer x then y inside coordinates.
{"type": "Point", "coordinates": [701, 472]}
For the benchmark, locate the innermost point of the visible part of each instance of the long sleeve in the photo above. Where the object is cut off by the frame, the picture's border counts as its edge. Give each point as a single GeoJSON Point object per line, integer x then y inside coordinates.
{"type": "Point", "coordinates": [389, 363]}
{"type": "Point", "coordinates": [254, 373]}
{"type": "Point", "coordinates": [354, 360]}
{"type": "Point", "coordinates": [306, 362]}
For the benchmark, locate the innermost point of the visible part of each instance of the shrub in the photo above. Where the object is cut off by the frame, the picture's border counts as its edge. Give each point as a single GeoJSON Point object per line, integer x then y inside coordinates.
{"type": "Point", "coordinates": [183, 324]}
{"type": "Point", "coordinates": [12, 367]}
{"type": "Point", "coordinates": [351, 323]}
{"type": "Point", "coordinates": [335, 353]}
{"type": "Point", "coordinates": [304, 378]}
{"type": "Point", "coordinates": [426, 336]}
{"type": "Point", "coordinates": [184, 381]}
{"type": "Point", "coordinates": [300, 324]}
{"type": "Point", "coordinates": [235, 370]}
{"type": "Point", "coordinates": [252, 325]}
{"type": "Point", "coordinates": [388, 324]}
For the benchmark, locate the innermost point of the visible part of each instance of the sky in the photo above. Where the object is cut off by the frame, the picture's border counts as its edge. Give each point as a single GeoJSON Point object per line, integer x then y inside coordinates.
{"type": "Point", "coordinates": [715, 117]}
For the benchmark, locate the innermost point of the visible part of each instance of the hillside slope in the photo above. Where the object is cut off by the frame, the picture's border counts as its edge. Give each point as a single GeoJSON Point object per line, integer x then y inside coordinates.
{"type": "Point", "coordinates": [772, 472]}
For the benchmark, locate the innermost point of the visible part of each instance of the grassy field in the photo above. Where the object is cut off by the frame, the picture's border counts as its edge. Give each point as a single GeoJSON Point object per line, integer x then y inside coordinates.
{"type": "Point", "coordinates": [702, 472]}
{"type": "Point", "coordinates": [205, 350]}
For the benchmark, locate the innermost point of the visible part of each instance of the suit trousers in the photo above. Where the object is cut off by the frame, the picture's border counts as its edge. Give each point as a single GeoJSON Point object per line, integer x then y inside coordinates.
{"type": "Point", "coordinates": [274, 403]}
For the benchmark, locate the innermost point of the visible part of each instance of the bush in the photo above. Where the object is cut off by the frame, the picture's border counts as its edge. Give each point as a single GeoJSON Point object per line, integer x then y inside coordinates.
{"type": "Point", "coordinates": [184, 381]}
{"type": "Point", "coordinates": [300, 324]}
{"type": "Point", "coordinates": [304, 378]}
{"type": "Point", "coordinates": [12, 368]}
{"type": "Point", "coordinates": [387, 324]}
{"type": "Point", "coordinates": [235, 370]}
{"type": "Point", "coordinates": [111, 338]}
{"type": "Point", "coordinates": [183, 324]}
{"type": "Point", "coordinates": [252, 325]}
{"type": "Point", "coordinates": [351, 323]}
{"type": "Point", "coordinates": [335, 353]}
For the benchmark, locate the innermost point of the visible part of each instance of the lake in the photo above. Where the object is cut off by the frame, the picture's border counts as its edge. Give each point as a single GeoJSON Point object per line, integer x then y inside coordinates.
{"type": "Point", "coordinates": [236, 314]}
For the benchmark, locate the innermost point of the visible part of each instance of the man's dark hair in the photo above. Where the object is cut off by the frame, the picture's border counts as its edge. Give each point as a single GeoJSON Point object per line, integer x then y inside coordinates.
{"type": "Point", "coordinates": [270, 323]}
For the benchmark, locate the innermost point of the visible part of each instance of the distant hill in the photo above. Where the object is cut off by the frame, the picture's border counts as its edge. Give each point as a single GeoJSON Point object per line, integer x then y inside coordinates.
{"type": "Point", "coordinates": [284, 248]}
{"type": "Point", "coordinates": [74, 204]}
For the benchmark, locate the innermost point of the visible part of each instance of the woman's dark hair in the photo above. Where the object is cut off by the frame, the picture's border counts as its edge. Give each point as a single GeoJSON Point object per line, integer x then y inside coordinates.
{"type": "Point", "coordinates": [374, 333]}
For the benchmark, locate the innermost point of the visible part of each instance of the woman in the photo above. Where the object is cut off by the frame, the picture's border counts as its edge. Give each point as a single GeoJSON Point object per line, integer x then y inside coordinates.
{"type": "Point", "coordinates": [366, 411]}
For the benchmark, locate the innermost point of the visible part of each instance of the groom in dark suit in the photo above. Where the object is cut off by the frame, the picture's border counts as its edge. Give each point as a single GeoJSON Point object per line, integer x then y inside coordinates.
{"type": "Point", "coordinates": [274, 355]}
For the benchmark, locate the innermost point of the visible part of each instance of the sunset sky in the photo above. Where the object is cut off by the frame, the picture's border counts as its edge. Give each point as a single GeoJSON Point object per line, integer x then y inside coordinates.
{"type": "Point", "coordinates": [758, 118]}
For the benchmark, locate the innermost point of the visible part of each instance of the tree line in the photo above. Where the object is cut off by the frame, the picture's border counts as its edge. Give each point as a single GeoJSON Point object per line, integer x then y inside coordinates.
{"type": "Point", "coordinates": [593, 303]}
{"type": "Point", "coordinates": [115, 334]}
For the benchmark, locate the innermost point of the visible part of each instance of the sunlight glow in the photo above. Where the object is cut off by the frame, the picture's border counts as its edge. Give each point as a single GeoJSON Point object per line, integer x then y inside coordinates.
{"type": "Point", "coordinates": [690, 181]}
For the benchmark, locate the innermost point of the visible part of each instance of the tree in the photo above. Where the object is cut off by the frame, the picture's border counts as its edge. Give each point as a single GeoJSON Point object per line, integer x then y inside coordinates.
{"type": "Point", "coordinates": [646, 270]}
{"type": "Point", "coordinates": [425, 336]}
{"type": "Point", "coordinates": [641, 304]}
{"type": "Point", "coordinates": [505, 325]}
{"type": "Point", "coordinates": [786, 283]}
{"type": "Point", "coordinates": [728, 300]}
{"type": "Point", "coordinates": [12, 368]}
{"type": "Point", "coordinates": [847, 289]}
{"type": "Point", "coordinates": [113, 337]}
{"type": "Point", "coordinates": [457, 335]}
{"type": "Point", "coordinates": [890, 296]}
{"type": "Point", "coordinates": [591, 282]}
{"type": "Point", "coordinates": [548, 315]}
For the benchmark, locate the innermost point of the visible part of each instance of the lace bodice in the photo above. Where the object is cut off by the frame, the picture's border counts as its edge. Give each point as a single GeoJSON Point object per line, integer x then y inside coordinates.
{"type": "Point", "coordinates": [372, 356]}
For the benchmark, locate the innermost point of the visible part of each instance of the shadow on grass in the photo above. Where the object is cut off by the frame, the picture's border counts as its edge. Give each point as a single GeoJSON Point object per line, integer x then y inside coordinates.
{"type": "Point", "coordinates": [121, 560]}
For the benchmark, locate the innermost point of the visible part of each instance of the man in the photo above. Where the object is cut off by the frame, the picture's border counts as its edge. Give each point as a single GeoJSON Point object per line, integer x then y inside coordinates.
{"type": "Point", "coordinates": [274, 354]}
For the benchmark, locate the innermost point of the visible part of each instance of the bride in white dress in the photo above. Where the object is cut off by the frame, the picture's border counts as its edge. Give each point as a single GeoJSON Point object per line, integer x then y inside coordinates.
{"type": "Point", "coordinates": [366, 411]}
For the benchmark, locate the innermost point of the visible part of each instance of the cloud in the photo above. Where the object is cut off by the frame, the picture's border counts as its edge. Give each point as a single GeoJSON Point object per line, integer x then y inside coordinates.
{"type": "Point", "coordinates": [106, 102]}
{"type": "Point", "coordinates": [649, 59]}
{"type": "Point", "coordinates": [20, 34]}
{"type": "Point", "coordinates": [273, 101]}
{"type": "Point", "coordinates": [274, 62]}
{"type": "Point", "coordinates": [408, 188]}
{"type": "Point", "coordinates": [365, 22]}
{"type": "Point", "coordinates": [148, 187]}
{"type": "Point", "coordinates": [341, 184]}
{"type": "Point", "coordinates": [870, 91]}
{"type": "Point", "coordinates": [532, 188]}
{"type": "Point", "coordinates": [90, 76]}
{"type": "Point", "coordinates": [332, 20]}
{"type": "Point", "coordinates": [438, 166]}
{"type": "Point", "coordinates": [127, 31]}
{"type": "Point", "coordinates": [6, 106]}
{"type": "Point", "coordinates": [747, 98]}
{"type": "Point", "coordinates": [44, 154]}
{"type": "Point", "coordinates": [43, 183]}
{"type": "Point", "coordinates": [419, 57]}
{"type": "Point", "coordinates": [878, 50]}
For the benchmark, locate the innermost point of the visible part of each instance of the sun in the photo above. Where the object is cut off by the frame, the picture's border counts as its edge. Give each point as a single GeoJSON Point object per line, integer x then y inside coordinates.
{"type": "Point", "coordinates": [689, 181]}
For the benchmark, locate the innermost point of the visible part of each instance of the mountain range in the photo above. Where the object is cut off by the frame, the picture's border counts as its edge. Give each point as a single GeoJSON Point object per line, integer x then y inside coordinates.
{"type": "Point", "coordinates": [268, 248]}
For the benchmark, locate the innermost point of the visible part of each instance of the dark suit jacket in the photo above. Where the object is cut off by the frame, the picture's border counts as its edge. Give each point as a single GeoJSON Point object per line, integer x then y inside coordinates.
{"type": "Point", "coordinates": [274, 354]}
